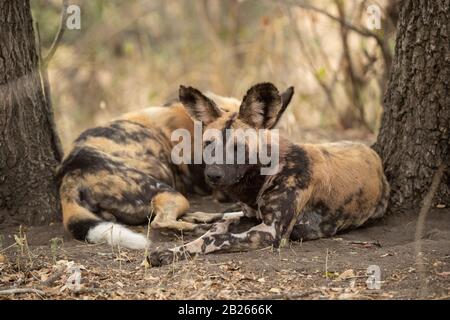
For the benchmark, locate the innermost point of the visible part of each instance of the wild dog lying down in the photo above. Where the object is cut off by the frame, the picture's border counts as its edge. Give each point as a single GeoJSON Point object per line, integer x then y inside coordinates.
{"type": "Point", "coordinates": [317, 191]}
{"type": "Point", "coordinates": [122, 172]}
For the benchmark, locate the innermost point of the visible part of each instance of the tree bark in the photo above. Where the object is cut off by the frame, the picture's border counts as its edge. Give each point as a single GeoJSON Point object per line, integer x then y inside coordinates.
{"type": "Point", "coordinates": [414, 136]}
{"type": "Point", "coordinates": [28, 152]}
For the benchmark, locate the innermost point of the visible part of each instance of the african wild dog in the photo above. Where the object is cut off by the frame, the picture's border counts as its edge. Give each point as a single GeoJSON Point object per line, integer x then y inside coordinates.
{"type": "Point", "coordinates": [122, 172]}
{"type": "Point", "coordinates": [317, 191]}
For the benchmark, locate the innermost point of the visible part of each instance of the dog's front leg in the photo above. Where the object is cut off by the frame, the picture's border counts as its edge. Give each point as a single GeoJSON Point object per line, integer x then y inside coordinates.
{"type": "Point", "coordinates": [276, 220]}
{"type": "Point", "coordinates": [279, 213]}
{"type": "Point", "coordinates": [162, 257]}
{"type": "Point", "coordinates": [259, 236]}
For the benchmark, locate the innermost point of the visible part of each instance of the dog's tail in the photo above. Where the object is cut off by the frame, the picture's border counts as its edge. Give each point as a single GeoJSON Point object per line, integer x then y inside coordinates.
{"type": "Point", "coordinates": [85, 225]}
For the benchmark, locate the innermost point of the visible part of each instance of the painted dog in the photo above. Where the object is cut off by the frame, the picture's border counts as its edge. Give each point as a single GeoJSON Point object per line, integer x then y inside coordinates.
{"type": "Point", "coordinates": [122, 173]}
{"type": "Point", "coordinates": [317, 191]}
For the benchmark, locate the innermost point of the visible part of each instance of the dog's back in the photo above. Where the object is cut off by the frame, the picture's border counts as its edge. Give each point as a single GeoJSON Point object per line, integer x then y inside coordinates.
{"type": "Point", "coordinates": [116, 173]}
{"type": "Point", "coordinates": [348, 187]}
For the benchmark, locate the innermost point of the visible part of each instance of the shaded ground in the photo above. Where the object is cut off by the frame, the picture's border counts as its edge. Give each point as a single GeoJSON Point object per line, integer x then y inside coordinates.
{"type": "Point", "coordinates": [332, 268]}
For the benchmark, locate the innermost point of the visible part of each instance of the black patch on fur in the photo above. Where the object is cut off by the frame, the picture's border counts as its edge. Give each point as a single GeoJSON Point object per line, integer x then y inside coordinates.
{"type": "Point", "coordinates": [330, 217]}
{"type": "Point", "coordinates": [103, 132]}
{"type": "Point", "coordinates": [206, 242]}
{"type": "Point", "coordinates": [117, 132]}
{"type": "Point", "coordinates": [286, 98]}
{"type": "Point", "coordinates": [87, 160]}
{"type": "Point", "coordinates": [297, 164]}
{"type": "Point", "coordinates": [80, 228]}
{"type": "Point", "coordinates": [197, 180]}
{"type": "Point", "coordinates": [190, 97]}
{"type": "Point", "coordinates": [85, 200]}
{"type": "Point", "coordinates": [243, 224]}
{"type": "Point", "coordinates": [247, 189]}
{"type": "Point", "coordinates": [286, 207]}
{"type": "Point", "coordinates": [265, 94]}
{"type": "Point", "coordinates": [229, 123]}
{"type": "Point", "coordinates": [354, 196]}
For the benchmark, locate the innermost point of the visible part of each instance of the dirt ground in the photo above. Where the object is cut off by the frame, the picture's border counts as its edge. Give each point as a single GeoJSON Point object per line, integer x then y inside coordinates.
{"type": "Point", "coordinates": [332, 268]}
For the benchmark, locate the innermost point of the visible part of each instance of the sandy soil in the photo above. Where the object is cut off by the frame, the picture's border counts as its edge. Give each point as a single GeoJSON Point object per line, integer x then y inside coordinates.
{"type": "Point", "coordinates": [333, 268]}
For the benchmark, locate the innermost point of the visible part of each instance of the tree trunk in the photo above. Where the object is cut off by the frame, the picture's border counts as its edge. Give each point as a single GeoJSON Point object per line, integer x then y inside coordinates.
{"type": "Point", "coordinates": [414, 136]}
{"type": "Point", "coordinates": [28, 154]}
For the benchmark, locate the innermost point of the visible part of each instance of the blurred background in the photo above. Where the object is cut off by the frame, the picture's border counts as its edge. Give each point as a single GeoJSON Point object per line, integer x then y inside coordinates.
{"type": "Point", "coordinates": [133, 54]}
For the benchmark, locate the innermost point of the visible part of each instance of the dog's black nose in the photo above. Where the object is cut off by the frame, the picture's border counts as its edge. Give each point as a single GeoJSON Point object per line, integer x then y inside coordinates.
{"type": "Point", "coordinates": [214, 175]}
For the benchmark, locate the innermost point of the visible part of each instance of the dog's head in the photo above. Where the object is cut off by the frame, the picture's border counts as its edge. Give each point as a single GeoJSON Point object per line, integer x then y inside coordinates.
{"type": "Point", "coordinates": [232, 140]}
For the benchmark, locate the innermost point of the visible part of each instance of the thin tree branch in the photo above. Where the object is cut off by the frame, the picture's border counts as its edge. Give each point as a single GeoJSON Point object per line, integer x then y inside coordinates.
{"type": "Point", "coordinates": [309, 58]}
{"type": "Point", "coordinates": [353, 79]}
{"type": "Point", "coordinates": [56, 142]}
{"type": "Point", "coordinates": [427, 202]}
{"type": "Point", "coordinates": [52, 278]}
{"type": "Point", "coordinates": [385, 51]}
{"type": "Point", "coordinates": [209, 28]}
{"type": "Point", "coordinates": [59, 34]}
{"type": "Point", "coordinates": [362, 31]}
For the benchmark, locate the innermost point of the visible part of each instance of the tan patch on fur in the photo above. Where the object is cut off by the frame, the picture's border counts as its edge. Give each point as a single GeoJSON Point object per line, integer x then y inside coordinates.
{"type": "Point", "coordinates": [167, 208]}
{"type": "Point", "coordinates": [73, 212]}
{"type": "Point", "coordinates": [290, 182]}
{"type": "Point", "coordinates": [344, 171]}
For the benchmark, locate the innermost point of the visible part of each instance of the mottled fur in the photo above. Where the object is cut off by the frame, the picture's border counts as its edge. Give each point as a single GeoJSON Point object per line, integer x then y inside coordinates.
{"type": "Point", "coordinates": [318, 190]}
{"type": "Point", "coordinates": [122, 172]}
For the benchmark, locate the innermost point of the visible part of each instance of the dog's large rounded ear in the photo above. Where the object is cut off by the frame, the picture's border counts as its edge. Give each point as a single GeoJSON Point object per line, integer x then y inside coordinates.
{"type": "Point", "coordinates": [286, 98]}
{"type": "Point", "coordinates": [198, 106]}
{"type": "Point", "coordinates": [260, 106]}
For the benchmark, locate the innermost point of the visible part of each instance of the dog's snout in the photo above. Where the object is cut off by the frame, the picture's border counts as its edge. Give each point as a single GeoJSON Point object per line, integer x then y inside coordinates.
{"type": "Point", "coordinates": [214, 174]}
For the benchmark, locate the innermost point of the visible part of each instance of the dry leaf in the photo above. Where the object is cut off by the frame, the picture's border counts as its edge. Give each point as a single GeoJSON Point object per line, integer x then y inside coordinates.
{"type": "Point", "coordinates": [151, 278]}
{"type": "Point", "coordinates": [347, 296]}
{"type": "Point", "coordinates": [346, 275]}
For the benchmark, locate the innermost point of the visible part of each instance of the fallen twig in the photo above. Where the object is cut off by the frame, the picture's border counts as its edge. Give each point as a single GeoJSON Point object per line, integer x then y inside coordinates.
{"type": "Point", "coordinates": [365, 243]}
{"type": "Point", "coordinates": [55, 276]}
{"type": "Point", "coordinates": [21, 290]}
{"type": "Point", "coordinates": [9, 247]}
{"type": "Point", "coordinates": [291, 296]}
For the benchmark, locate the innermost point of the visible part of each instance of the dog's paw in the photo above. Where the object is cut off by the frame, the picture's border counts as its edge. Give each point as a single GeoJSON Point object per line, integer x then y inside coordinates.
{"type": "Point", "coordinates": [161, 257]}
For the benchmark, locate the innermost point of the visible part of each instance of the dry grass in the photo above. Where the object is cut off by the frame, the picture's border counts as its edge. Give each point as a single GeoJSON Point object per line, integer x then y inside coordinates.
{"type": "Point", "coordinates": [324, 269]}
